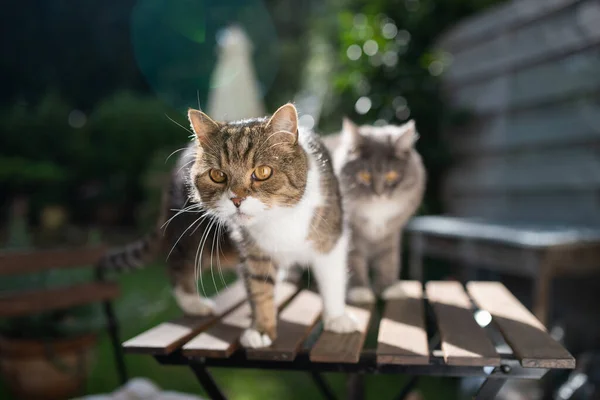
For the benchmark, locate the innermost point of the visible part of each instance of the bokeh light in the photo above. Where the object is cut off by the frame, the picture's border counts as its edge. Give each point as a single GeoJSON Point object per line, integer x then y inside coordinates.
{"type": "Point", "coordinates": [399, 103]}
{"type": "Point", "coordinates": [390, 58]}
{"type": "Point", "coordinates": [306, 121]}
{"type": "Point", "coordinates": [370, 47]}
{"type": "Point", "coordinates": [77, 119]}
{"type": "Point", "coordinates": [403, 37]}
{"type": "Point", "coordinates": [354, 52]}
{"type": "Point", "coordinates": [483, 318]}
{"type": "Point", "coordinates": [389, 30]}
{"type": "Point", "coordinates": [363, 105]}
{"type": "Point", "coordinates": [436, 68]}
{"type": "Point", "coordinates": [403, 113]}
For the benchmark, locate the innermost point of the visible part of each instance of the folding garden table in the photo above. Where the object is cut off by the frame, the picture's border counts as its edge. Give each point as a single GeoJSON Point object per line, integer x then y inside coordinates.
{"type": "Point", "coordinates": [449, 343]}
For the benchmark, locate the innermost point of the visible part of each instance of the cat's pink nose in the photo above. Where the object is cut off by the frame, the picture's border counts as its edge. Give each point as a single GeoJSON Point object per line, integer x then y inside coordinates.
{"type": "Point", "coordinates": [237, 201]}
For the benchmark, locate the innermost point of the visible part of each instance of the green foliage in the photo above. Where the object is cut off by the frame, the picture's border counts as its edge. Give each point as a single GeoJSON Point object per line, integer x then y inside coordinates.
{"type": "Point", "coordinates": [35, 143]}
{"type": "Point", "coordinates": [57, 155]}
{"type": "Point", "coordinates": [388, 56]}
{"type": "Point", "coordinates": [126, 131]}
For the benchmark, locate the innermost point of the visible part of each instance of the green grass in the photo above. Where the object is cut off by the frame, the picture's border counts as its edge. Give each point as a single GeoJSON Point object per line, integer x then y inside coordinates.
{"type": "Point", "coordinates": [146, 301]}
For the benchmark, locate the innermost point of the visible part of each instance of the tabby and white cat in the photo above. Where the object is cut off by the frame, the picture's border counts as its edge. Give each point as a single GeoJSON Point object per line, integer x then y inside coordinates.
{"type": "Point", "coordinates": [383, 180]}
{"type": "Point", "coordinates": [274, 188]}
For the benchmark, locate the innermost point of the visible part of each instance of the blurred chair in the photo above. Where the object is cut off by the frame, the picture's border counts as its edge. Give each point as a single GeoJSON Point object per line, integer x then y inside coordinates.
{"type": "Point", "coordinates": [31, 302]}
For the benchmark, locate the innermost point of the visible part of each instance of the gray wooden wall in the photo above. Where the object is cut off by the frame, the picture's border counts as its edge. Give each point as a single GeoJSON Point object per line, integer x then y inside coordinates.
{"type": "Point", "coordinates": [529, 72]}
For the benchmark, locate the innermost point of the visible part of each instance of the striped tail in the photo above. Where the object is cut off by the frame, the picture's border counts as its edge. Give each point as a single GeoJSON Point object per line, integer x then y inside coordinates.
{"type": "Point", "coordinates": [135, 255]}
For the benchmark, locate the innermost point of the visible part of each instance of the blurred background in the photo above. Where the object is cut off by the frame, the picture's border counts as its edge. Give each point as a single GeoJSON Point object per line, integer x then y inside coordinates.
{"type": "Point", "coordinates": [94, 94]}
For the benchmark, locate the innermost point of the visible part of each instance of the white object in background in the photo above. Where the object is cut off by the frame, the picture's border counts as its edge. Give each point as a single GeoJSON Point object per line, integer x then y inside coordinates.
{"type": "Point", "coordinates": [234, 92]}
{"type": "Point", "coordinates": [141, 388]}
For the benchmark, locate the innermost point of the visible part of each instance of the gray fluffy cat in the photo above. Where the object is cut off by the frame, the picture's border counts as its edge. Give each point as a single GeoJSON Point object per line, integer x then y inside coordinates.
{"type": "Point", "coordinates": [382, 180]}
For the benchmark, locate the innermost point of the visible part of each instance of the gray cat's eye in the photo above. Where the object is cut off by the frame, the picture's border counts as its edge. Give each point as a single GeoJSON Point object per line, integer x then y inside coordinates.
{"type": "Point", "coordinates": [392, 177]}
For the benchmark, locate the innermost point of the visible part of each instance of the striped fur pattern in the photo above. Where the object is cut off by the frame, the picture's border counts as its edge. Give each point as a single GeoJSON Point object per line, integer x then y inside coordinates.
{"type": "Point", "coordinates": [383, 182]}
{"type": "Point", "coordinates": [275, 189]}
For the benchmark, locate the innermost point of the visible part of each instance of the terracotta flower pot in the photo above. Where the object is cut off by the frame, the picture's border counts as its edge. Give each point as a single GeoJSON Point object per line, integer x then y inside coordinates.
{"type": "Point", "coordinates": [51, 370]}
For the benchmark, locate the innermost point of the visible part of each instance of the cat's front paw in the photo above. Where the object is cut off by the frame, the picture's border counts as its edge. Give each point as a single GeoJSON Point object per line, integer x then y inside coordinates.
{"type": "Point", "coordinates": [345, 323]}
{"type": "Point", "coordinates": [394, 291]}
{"type": "Point", "coordinates": [361, 295]}
{"type": "Point", "coordinates": [193, 304]}
{"type": "Point", "coordinates": [253, 339]}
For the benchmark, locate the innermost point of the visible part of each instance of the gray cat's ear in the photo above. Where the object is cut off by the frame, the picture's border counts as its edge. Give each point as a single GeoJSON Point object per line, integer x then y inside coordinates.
{"type": "Point", "coordinates": [285, 120]}
{"type": "Point", "coordinates": [407, 136]}
{"type": "Point", "coordinates": [202, 125]}
{"type": "Point", "coordinates": [350, 132]}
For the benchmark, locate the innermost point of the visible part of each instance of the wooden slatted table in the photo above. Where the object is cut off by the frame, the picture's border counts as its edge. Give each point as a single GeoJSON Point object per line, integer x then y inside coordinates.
{"type": "Point", "coordinates": [403, 344]}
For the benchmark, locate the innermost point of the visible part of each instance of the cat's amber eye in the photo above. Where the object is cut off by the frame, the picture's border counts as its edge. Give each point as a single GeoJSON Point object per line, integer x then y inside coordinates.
{"type": "Point", "coordinates": [217, 175]}
{"type": "Point", "coordinates": [391, 176]}
{"type": "Point", "coordinates": [262, 173]}
{"type": "Point", "coordinates": [364, 177]}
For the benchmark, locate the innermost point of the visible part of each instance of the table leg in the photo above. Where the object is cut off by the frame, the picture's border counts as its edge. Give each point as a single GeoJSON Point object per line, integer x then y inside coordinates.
{"type": "Point", "coordinates": [541, 294]}
{"type": "Point", "coordinates": [355, 387]}
{"type": "Point", "coordinates": [489, 389]}
{"type": "Point", "coordinates": [408, 388]}
{"type": "Point", "coordinates": [113, 331]}
{"type": "Point", "coordinates": [322, 385]}
{"type": "Point", "coordinates": [415, 262]}
{"type": "Point", "coordinates": [207, 382]}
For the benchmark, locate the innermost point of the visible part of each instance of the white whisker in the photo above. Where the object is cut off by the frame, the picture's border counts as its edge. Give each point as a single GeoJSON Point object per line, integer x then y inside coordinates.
{"type": "Point", "coordinates": [179, 125]}
{"type": "Point", "coordinates": [205, 237]}
{"type": "Point", "coordinates": [180, 236]}
{"type": "Point", "coordinates": [212, 248]}
{"type": "Point", "coordinates": [219, 229]}
{"type": "Point", "coordinates": [179, 212]}
{"type": "Point", "coordinates": [176, 151]}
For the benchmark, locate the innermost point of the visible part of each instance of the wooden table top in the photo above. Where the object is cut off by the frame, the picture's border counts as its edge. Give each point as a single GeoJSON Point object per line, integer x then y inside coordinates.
{"type": "Point", "coordinates": [402, 337]}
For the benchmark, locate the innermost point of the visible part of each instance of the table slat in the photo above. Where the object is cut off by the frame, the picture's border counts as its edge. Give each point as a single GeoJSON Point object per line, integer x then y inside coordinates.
{"type": "Point", "coordinates": [294, 325]}
{"type": "Point", "coordinates": [522, 331]}
{"type": "Point", "coordinates": [168, 336]}
{"type": "Point", "coordinates": [402, 337]}
{"type": "Point", "coordinates": [464, 342]}
{"type": "Point", "coordinates": [337, 347]}
{"type": "Point", "coordinates": [221, 340]}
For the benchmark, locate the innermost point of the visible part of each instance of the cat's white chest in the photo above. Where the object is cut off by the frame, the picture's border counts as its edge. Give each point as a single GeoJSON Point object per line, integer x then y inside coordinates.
{"type": "Point", "coordinates": [285, 239]}
{"type": "Point", "coordinates": [284, 233]}
{"type": "Point", "coordinates": [374, 216]}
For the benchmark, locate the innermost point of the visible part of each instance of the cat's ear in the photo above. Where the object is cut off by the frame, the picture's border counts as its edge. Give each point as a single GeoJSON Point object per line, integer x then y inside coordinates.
{"type": "Point", "coordinates": [202, 125]}
{"type": "Point", "coordinates": [407, 136]}
{"type": "Point", "coordinates": [350, 132]}
{"type": "Point", "coordinates": [285, 120]}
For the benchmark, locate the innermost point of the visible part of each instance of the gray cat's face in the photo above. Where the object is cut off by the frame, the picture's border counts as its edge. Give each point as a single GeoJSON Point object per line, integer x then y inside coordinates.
{"type": "Point", "coordinates": [377, 161]}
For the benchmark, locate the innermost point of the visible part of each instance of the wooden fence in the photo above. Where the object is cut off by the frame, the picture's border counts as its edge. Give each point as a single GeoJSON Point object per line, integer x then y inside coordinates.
{"type": "Point", "coordinates": [529, 72]}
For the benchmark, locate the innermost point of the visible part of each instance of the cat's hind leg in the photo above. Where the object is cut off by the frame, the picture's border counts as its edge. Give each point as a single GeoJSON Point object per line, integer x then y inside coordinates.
{"type": "Point", "coordinates": [331, 273]}
{"type": "Point", "coordinates": [185, 289]}
{"type": "Point", "coordinates": [387, 268]}
{"type": "Point", "coordinates": [360, 291]}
